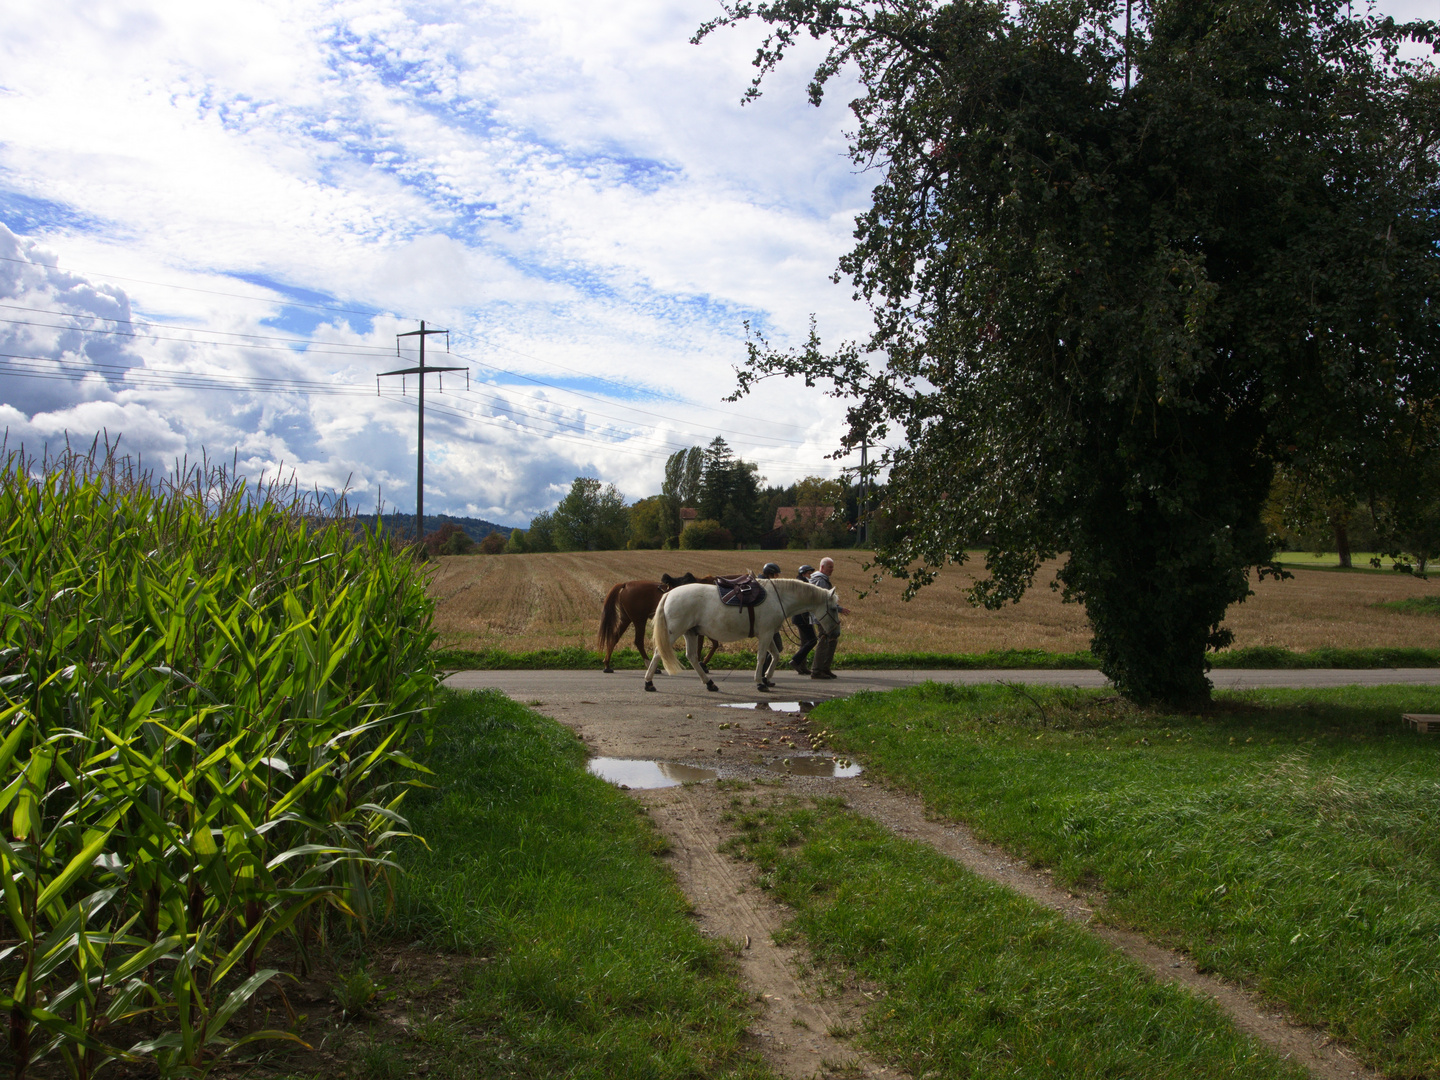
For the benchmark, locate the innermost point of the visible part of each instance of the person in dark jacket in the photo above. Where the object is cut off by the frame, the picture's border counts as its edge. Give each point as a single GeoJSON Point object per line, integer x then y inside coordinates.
{"type": "Point", "coordinates": [802, 624]}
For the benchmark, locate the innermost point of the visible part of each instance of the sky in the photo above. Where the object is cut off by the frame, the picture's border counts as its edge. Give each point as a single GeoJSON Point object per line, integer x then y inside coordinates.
{"type": "Point", "coordinates": [216, 218]}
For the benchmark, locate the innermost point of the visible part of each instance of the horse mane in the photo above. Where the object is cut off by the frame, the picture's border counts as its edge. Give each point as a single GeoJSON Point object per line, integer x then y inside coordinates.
{"type": "Point", "coordinates": [794, 589]}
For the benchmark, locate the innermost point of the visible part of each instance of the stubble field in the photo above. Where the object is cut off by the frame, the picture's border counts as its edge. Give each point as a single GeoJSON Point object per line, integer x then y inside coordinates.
{"type": "Point", "coordinates": [522, 602]}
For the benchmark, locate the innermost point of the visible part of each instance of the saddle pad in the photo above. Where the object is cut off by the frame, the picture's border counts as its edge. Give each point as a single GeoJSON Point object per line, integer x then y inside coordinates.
{"type": "Point", "coordinates": [742, 591]}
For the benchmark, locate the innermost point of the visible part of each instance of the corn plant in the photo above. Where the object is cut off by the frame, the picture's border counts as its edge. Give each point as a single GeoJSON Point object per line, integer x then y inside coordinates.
{"type": "Point", "coordinates": [207, 690]}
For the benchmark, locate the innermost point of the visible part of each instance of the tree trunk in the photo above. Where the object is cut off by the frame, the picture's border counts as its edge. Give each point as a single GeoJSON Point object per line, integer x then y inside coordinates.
{"type": "Point", "coordinates": [1342, 544]}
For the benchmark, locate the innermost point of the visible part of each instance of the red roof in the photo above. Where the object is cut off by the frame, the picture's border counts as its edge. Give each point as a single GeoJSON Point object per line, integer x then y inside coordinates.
{"type": "Point", "coordinates": [688, 513]}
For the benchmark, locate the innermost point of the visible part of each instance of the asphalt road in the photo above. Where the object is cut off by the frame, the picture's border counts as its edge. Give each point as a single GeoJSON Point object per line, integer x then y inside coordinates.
{"type": "Point", "coordinates": [734, 685]}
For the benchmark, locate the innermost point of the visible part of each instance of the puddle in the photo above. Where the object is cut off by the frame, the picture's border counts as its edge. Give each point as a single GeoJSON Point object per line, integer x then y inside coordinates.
{"type": "Point", "coordinates": [815, 766]}
{"type": "Point", "coordinates": [770, 706]}
{"type": "Point", "coordinates": [634, 773]}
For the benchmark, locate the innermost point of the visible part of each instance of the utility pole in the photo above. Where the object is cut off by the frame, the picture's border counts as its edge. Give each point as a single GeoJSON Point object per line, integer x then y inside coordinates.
{"type": "Point", "coordinates": [864, 490]}
{"type": "Point", "coordinates": [1127, 46]}
{"type": "Point", "coordinates": [422, 371]}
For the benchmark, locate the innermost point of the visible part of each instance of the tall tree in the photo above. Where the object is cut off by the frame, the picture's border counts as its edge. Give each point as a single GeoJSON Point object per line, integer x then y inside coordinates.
{"type": "Point", "coordinates": [717, 480]}
{"type": "Point", "coordinates": [591, 517]}
{"type": "Point", "coordinates": [730, 492]}
{"type": "Point", "coordinates": [1115, 277]}
{"type": "Point", "coordinates": [681, 487]}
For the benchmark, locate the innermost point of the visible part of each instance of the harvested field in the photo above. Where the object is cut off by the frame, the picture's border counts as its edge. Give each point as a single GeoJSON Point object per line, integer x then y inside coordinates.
{"type": "Point", "coordinates": [523, 602]}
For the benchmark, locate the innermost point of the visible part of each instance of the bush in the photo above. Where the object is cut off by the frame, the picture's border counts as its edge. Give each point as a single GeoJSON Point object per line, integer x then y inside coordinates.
{"type": "Point", "coordinates": [707, 535]}
{"type": "Point", "coordinates": [449, 539]}
{"type": "Point", "coordinates": [493, 544]}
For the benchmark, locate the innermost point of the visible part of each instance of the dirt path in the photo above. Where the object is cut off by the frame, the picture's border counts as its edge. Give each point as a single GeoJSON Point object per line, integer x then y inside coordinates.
{"type": "Point", "coordinates": [800, 1017]}
{"type": "Point", "coordinates": [686, 725]}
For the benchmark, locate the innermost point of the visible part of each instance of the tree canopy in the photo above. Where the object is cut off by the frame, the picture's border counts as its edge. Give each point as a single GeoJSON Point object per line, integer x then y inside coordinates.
{"type": "Point", "coordinates": [592, 517]}
{"type": "Point", "coordinates": [1116, 277]}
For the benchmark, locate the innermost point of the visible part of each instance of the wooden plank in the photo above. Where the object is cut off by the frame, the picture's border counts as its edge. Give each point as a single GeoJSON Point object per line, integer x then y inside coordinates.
{"type": "Point", "coordinates": [1423, 722]}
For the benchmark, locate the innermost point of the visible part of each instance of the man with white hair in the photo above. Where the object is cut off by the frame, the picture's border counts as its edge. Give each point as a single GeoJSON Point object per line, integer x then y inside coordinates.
{"type": "Point", "coordinates": [828, 626]}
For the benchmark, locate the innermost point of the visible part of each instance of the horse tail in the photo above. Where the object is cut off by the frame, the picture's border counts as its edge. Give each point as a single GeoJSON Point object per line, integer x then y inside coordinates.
{"type": "Point", "coordinates": [610, 619]}
{"type": "Point", "coordinates": [664, 640]}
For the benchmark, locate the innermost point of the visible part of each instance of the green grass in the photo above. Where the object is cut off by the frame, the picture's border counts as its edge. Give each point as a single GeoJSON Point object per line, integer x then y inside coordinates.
{"type": "Point", "coordinates": [1329, 560]}
{"type": "Point", "coordinates": [594, 968]}
{"type": "Point", "coordinates": [577, 659]}
{"type": "Point", "coordinates": [978, 981]}
{"type": "Point", "coordinates": [1289, 840]}
{"type": "Point", "coordinates": [1413, 605]}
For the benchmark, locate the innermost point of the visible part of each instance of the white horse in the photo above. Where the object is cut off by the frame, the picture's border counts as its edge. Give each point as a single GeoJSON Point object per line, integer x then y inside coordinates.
{"type": "Point", "coordinates": [696, 611]}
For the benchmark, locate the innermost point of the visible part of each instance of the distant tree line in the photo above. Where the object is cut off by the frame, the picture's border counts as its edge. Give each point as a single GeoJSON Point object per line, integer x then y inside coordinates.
{"type": "Point", "coordinates": [709, 498]}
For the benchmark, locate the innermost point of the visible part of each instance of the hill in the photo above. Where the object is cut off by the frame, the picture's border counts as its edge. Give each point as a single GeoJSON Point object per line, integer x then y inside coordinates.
{"type": "Point", "coordinates": [404, 524]}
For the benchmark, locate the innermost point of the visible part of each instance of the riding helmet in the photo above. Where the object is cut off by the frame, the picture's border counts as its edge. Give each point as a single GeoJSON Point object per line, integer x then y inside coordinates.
{"type": "Point", "coordinates": [770, 569]}
{"type": "Point", "coordinates": [806, 569]}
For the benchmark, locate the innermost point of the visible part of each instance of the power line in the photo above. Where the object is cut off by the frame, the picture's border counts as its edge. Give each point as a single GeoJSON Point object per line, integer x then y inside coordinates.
{"type": "Point", "coordinates": [208, 292]}
{"type": "Point", "coordinates": [179, 380]}
{"type": "Point", "coordinates": [633, 408]}
{"type": "Point", "coordinates": [194, 329]}
{"type": "Point", "coordinates": [183, 378]}
{"type": "Point", "coordinates": [345, 348]}
{"type": "Point", "coordinates": [373, 314]}
{"type": "Point", "coordinates": [611, 382]}
{"type": "Point", "coordinates": [342, 351]}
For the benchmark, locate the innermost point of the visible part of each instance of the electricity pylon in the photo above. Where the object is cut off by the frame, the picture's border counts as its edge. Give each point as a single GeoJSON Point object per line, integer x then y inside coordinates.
{"type": "Point", "coordinates": [422, 370]}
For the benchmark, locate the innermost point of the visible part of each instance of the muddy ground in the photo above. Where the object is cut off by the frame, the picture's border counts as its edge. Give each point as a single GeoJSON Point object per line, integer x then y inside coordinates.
{"type": "Point", "coordinates": [806, 1020]}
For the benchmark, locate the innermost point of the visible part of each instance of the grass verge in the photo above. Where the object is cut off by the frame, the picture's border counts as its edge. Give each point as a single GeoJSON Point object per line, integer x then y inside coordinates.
{"type": "Point", "coordinates": [1413, 605]}
{"type": "Point", "coordinates": [539, 884]}
{"type": "Point", "coordinates": [577, 659]}
{"type": "Point", "coordinates": [978, 981]}
{"type": "Point", "coordinates": [1287, 840]}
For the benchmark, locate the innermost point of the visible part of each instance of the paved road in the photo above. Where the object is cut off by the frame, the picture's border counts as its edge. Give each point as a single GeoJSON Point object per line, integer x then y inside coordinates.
{"type": "Point", "coordinates": [595, 685]}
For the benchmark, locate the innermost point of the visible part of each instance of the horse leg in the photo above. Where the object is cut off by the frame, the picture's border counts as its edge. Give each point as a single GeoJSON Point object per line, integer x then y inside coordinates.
{"type": "Point", "coordinates": [650, 672]}
{"type": "Point", "coordinates": [762, 654]}
{"type": "Point", "coordinates": [714, 648]}
{"type": "Point", "coordinates": [640, 637]}
{"type": "Point", "coordinates": [624, 622]}
{"type": "Point", "coordinates": [692, 650]}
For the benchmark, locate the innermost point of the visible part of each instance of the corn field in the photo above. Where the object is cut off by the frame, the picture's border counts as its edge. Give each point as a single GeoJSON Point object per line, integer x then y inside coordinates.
{"type": "Point", "coordinates": [207, 689]}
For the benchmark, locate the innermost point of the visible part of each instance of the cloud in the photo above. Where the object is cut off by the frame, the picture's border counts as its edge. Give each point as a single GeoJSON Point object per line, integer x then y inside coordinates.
{"type": "Point", "coordinates": [581, 200]}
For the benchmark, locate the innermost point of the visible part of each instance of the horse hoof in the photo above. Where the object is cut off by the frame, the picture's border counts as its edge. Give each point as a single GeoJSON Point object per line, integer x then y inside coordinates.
{"type": "Point", "coordinates": [711, 685]}
{"type": "Point", "coordinates": [650, 687]}
{"type": "Point", "coordinates": [609, 671]}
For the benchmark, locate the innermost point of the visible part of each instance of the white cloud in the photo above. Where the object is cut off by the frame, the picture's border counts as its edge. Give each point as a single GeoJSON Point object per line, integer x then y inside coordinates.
{"type": "Point", "coordinates": [558, 188]}
{"type": "Point", "coordinates": [575, 191]}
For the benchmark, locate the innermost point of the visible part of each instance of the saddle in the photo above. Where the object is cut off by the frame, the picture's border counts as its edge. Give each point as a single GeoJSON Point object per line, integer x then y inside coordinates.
{"type": "Point", "coordinates": [742, 591]}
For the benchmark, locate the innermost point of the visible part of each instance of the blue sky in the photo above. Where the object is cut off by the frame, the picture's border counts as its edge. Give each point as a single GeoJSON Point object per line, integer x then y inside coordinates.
{"type": "Point", "coordinates": [201, 201]}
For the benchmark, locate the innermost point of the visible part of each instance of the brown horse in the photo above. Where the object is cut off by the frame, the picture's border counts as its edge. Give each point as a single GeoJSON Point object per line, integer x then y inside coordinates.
{"type": "Point", "coordinates": [635, 602]}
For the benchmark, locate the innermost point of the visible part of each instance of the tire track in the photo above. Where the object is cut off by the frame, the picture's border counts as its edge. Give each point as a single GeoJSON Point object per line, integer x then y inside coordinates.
{"type": "Point", "coordinates": [1310, 1047]}
{"type": "Point", "coordinates": [800, 1019]}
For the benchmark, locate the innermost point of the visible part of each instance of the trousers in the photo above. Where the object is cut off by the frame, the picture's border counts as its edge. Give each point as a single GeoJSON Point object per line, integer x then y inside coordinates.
{"type": "Point", "coordinates": [807, 639]}
{"type": "Point", "coordinates": [825, 652]}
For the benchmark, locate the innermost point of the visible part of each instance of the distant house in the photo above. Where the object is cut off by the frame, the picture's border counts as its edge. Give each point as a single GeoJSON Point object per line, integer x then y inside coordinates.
{"type": "Point", "coordinates": [810, 515]}
{"type": "Point", "coordinates": [688, 513]}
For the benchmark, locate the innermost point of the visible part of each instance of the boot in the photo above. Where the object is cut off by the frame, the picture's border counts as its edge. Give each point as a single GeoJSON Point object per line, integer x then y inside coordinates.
{"type": "Point", "coordinates": [799, 666]}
